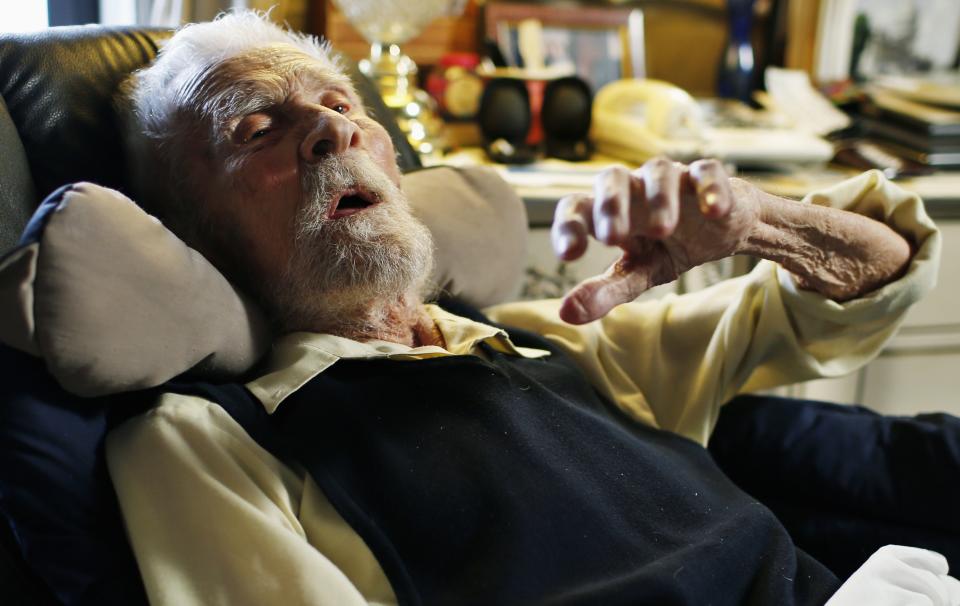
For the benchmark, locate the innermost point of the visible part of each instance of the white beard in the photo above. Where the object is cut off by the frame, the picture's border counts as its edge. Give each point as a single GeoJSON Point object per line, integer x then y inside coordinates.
{"type": "Point", "coordinates": [346, 274]}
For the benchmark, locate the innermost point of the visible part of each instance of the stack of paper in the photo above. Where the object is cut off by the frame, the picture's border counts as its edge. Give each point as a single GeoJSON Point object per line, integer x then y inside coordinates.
{"type": "Point", "coordinates": [919, 131]}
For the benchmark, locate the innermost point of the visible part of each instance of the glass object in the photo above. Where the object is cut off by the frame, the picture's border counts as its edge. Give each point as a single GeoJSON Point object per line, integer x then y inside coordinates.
{"type": "Point", "coordinates": [735, 76]}
{"type": "Point", "coordinates": [386, 24]}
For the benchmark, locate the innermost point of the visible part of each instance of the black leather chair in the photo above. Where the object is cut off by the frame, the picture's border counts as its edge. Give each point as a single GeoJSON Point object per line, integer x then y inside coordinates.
{"type": "Point", "coordinates": [57, 126]}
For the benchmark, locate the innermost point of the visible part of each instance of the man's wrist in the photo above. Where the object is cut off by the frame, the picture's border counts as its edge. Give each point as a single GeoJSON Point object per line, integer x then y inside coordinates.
{"type": "Point", "coordinates": [837, 253]}
{"type": "Point", "coordinates": [782, 233]}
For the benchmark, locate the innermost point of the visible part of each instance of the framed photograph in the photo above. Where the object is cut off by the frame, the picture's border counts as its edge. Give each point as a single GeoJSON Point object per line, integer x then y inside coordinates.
{"type": "Point", "coordinates": [864, 39]}
{"type": "Point", "coordinates": [904, 36]}
{"type": "Point", "coordinates": [599, 44]}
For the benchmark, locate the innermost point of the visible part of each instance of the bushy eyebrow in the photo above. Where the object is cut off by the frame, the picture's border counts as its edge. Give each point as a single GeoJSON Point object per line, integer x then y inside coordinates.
{"type": "Point", "coordinates": [253, 97]}
{"type": "Point", "coordinates": [230, 90]}
{"type": "Point", "coordinates": [245, 100]}
{"type": "Point", "coordinates": [347, 92]}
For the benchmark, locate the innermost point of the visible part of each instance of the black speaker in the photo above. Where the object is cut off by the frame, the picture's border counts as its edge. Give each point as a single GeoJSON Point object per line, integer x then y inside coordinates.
{"type": "Point", "coordinates": [565, 117]}
{"type": "Point", "coordinates": [505, 117]}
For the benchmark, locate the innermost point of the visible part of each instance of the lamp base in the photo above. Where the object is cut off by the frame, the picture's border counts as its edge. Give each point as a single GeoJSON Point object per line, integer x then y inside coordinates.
{"type": "Point", "coordinates": [395, 75]}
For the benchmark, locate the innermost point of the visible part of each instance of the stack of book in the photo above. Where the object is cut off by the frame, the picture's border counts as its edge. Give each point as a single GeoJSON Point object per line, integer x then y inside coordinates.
{"type": "Point", "coordinates": [911, 127]}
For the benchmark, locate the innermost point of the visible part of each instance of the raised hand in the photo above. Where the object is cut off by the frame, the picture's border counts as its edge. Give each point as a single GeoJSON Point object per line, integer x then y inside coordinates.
{"type": "Point", "coordinates": [666, 217]}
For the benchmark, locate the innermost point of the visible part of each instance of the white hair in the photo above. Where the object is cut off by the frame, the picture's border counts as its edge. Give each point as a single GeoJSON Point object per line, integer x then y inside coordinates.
{"type": "Point", "coordinates": [163, 104]}
{"type": "Point", "coordinates": [188, 56]}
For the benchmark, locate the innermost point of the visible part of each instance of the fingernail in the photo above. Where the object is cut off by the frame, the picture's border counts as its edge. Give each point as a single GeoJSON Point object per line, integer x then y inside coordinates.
{"type": "Point", "coordinates": [710, 200]}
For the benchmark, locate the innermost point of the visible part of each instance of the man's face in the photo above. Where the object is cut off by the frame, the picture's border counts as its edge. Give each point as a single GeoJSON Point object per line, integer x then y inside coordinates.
{"type": "Point", "coordinates": [300, 188]}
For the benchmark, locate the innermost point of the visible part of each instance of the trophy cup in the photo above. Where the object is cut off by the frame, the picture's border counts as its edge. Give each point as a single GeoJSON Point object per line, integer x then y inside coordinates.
{"type": "Point", "coordinates": [386, 24]}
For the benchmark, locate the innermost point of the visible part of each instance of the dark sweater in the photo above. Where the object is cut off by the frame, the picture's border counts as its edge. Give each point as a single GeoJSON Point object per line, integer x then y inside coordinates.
{"type": "Point", "coordinates": [510, 481]}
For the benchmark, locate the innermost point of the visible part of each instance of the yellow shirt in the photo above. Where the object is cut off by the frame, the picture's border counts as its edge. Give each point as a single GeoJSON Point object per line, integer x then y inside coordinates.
{"type": "Point", "coordinates": [215, 519]}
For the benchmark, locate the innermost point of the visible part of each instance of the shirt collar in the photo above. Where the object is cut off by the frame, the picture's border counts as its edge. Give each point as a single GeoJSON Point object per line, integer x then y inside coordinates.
{"type": "Point", "coordinates": [297, 358]}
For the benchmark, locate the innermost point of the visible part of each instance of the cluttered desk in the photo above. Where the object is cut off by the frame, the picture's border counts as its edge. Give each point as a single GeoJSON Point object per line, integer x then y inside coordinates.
{"type": "Point", "coordinates": [786, 148]}
{"type": "Point", "coordinates": [543, 183]}
{"type": "Point", "coordinates": [795, 143]}
{"type": "Point", "coordinates": [918, 361]}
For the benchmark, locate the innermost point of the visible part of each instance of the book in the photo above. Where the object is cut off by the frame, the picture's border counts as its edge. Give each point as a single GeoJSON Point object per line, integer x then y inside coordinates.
{"type": "Point", "coordinates": [928, 119]}
{"type": "Point", "coordinates": [935, 159]}
{"type": "Point", "coordinates": [938, 88]}
{"type": "Point", "coordinates": [911, 136]}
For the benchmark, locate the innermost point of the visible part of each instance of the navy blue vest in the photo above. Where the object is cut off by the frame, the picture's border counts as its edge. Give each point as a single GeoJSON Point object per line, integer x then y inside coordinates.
{"type": "Point", "coordinates": [510, 481]}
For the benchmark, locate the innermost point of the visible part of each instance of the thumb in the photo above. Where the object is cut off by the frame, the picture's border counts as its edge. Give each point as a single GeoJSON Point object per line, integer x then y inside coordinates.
{"type": "Point", "coordinates": [595, 297]}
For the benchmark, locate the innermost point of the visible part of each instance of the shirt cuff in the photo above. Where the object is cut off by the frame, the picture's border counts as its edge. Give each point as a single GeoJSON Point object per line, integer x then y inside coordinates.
{"type": "Point", "coordinates": [873, 195]}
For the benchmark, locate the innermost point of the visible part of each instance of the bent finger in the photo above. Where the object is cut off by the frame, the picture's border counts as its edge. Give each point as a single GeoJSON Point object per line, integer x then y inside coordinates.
{"type": "Point", "coordinates": [712, 185]}
{"type": "Point", "coordinates": [572, 226]}
{"type": "Point", "coordinates": [661, 187]}
{"type": "Point", "coordinates": [611, 206]}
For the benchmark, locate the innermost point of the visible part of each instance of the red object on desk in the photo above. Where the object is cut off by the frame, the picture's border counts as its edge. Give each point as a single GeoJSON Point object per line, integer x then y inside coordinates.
{"type": "Point", "coordinates": [455, 85]}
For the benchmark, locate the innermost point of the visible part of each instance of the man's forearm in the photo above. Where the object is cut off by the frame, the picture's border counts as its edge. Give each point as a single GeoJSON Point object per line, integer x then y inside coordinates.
{"type": "Point", "coordinates": [837, 253]}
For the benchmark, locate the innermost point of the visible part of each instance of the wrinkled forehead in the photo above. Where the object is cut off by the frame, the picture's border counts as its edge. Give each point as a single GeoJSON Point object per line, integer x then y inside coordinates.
{"type": "Point", "coordinates": [260, 77]}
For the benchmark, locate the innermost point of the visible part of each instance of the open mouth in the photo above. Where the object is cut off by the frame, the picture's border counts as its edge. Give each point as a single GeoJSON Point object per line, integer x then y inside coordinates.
{"type": "Point", "coordinates": [351, 202]}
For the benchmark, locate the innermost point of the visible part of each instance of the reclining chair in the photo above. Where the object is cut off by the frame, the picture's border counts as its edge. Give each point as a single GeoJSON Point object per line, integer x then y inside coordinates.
{"type": "Point", "coordinates": [58, 125]}
{"type": "Point", "coordinates": [61, 537]}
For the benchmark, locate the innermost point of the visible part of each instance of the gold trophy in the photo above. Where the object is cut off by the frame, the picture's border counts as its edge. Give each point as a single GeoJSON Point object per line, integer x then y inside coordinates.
{"type": "Point", "coordinates": [386, 24]}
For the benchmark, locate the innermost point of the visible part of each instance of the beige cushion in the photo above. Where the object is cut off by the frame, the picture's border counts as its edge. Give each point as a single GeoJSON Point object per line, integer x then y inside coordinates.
{"type": "Point", "coordinates": [479, 227]}
{"type": "Point", "coordinates": [113, 301]}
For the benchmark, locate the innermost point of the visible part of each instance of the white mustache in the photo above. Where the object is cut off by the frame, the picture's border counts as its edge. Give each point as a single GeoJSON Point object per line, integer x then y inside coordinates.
{"type": "Point", "coordinates": [324, 182]}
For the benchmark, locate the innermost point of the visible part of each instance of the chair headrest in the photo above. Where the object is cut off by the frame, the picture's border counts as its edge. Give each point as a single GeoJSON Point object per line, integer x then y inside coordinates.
{"type": "Point", "coordinates": [59, 86]}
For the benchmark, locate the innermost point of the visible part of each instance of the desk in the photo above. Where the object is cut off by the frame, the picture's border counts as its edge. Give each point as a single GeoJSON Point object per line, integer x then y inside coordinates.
{"type": "Point", "coordinates": [916, 372]}
{"type": "Point", "coordinates": [543, 183]}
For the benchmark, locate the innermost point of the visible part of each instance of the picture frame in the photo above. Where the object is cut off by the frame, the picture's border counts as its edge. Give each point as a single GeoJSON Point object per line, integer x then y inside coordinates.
{"type": "Point", "coordinates": [599, 43]}
{"type": "Point", "coordinates": [905, 37]}
{"type": "Point", "coordinates": [863, 39]}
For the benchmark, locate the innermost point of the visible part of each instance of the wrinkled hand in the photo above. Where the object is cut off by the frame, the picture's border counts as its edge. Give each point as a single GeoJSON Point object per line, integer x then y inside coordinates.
{"type": "Point", "coordinates": [665, 216]}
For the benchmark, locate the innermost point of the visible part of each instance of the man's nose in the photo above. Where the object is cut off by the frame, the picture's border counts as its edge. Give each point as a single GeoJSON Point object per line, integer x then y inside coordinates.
{"type": "Point", "coordinates": [333, 133]}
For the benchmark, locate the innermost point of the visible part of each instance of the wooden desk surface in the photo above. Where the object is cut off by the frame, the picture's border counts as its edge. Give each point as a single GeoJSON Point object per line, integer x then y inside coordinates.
{"type": "Point", "coordinates": [543, 183]}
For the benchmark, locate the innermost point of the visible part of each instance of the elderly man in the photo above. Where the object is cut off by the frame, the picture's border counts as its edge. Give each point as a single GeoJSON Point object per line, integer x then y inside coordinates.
{"type": "Point", "coordinates": [391, 451]}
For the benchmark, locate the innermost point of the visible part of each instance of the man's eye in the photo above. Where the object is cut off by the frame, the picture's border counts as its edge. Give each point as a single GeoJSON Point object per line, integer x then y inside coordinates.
{"type": "Point", "coordinates": [341, 108]}
{"type": "Point", "coordinates": [258, 134]}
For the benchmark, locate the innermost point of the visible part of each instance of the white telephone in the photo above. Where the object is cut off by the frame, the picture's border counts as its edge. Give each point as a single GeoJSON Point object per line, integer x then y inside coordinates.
{"type": "Point", "coordinates": [637, 119]}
